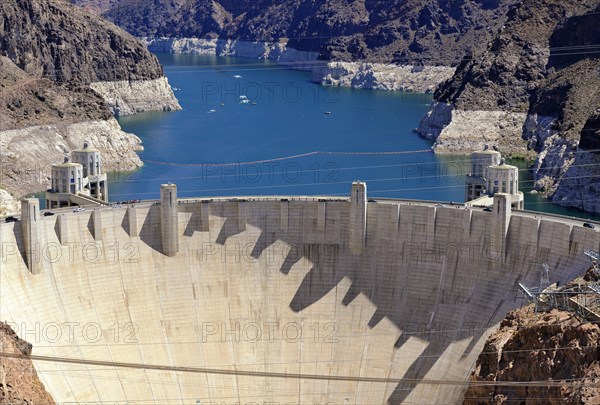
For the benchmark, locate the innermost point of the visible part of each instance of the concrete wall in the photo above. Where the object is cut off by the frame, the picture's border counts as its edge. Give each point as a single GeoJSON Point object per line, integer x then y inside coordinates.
{"type": "Point", "coordinates": [271, 286]}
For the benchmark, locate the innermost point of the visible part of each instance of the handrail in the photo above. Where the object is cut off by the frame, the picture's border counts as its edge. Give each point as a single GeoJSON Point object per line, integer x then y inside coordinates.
{"type": "Point", "coordinates": [329, 198]}
{"type": "Point", "coordinates": [264, 198]}
{"type": "Point", "coordinates": [90, 198]}
{"type": "Point", "coordinates": [551, 214]}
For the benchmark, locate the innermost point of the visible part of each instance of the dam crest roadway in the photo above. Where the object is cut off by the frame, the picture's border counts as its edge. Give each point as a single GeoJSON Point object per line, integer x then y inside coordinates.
{"type": "Point", "coordinates": [378, 298]}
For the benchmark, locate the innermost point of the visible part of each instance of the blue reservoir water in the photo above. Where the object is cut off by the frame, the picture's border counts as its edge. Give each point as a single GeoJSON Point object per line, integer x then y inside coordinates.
{"type": "Point", "coordinates": [251, 127]}
{"type": "Point", "coordinates": [272, 113]}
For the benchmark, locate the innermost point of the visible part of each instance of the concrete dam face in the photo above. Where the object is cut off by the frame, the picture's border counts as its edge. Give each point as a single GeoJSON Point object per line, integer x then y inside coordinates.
{"type": "Point", "coordinates": [292, 300]}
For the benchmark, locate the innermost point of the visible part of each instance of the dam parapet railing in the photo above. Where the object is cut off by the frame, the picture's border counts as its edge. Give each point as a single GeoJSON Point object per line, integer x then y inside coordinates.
{"type": "Point", "coordinates": [353, 221]}
{"type": "Point", "coordinates": [327, 198]}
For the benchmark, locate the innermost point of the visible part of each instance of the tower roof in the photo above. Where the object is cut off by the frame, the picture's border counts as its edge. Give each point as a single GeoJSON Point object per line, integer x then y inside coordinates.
{"type": "Point", "coordinates": [86, 148]}
{"type": "Point", "coordinates": [67, 164]}
{"type": "Point", "coordinates": [486, 152]}
{"type": "Point", "coordinates": [503, 167]}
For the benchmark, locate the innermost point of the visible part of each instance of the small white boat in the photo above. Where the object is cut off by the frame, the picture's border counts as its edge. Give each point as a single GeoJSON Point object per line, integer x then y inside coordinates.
{"type": "Point", "coordinates": [244, 101]}
{"type": "Point", "coordinates": [237, 76]}
{"type": "Point", "coordinates": [327, 113]}
{"type": "Point", "coordinates": [212, 111]}
{"type": "Point", "coordinates": [242, 97]}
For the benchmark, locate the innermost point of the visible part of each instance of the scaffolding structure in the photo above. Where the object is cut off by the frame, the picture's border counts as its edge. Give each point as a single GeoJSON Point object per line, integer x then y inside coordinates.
{"type": "Point", "coordinates": [595, 260]}
{"type": "Point", "coordinates": [583, 300]}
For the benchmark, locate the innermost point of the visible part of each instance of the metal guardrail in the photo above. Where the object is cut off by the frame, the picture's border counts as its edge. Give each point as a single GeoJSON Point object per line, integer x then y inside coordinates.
{"type": "Point", "coordinates": [267, 198]}
{"type": "Point", "coordinates": [589, 308]}
{"type": "Point", "coordinates": [428, 202]}
{"type": "Point", "coordinates": [549, 214]}
{"type": "Point", "coordinates": [327, 198]}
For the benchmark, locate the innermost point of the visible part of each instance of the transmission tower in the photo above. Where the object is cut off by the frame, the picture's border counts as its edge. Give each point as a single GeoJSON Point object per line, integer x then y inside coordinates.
{"type": "Point", "coordinates": [595, 260]}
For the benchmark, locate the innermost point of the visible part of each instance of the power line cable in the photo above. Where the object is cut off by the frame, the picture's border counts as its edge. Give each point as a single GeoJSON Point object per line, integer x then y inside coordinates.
{"type": "Point", "coordinates": [322, 377]}
{"type": "Point", "coordinates": [314, 153]}
{"type": "Point", "coordinates": [370, 334]}
{"type": "Point", "coordinates": [340, 182]}
{"type": "Point", "coordinates": [343, 153]}
{"type": "Point", "coordinates": [337, 169]}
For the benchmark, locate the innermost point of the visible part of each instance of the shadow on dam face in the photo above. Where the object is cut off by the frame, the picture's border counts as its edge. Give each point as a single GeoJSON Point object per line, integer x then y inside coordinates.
{"type": "Point", "coordinates": [276, 287]}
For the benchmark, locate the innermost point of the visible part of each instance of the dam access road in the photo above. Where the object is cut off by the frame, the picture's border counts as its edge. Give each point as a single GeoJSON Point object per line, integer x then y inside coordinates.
{"type": "Point", "coordinates": [286, 300]}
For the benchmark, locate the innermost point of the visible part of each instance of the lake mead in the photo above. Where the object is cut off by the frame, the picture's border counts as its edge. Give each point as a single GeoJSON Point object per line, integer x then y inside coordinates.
{"type": "Point", "coordinates": [253, 127]}
{"type": "Point", "coordinates": [245, 122]}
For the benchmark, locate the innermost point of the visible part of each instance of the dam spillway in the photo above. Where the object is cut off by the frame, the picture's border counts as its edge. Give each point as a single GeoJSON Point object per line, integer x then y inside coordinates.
{"type": "Point", "coordinates": [373, 301]}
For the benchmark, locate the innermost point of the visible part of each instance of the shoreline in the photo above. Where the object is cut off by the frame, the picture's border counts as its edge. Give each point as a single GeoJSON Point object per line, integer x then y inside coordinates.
{"type": "Point", "coordinates": [357, 75]}
{"type": "Point", "coordinates": [557, 161]}
{"type": "Point", "coordinates": [131, 97]}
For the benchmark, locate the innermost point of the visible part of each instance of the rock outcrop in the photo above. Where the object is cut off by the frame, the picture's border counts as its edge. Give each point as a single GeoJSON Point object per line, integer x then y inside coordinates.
{"type": "Point", "coordinates": [579, 183]}
{"type": "Point", "coordinates": [450, 127]}
{"type": "Point", "coordinates": [55, 40]}
{"type": "Point", "coordinates": [130, 97]}
{"type": "Point", "coordinates": [19, 383]}
{"type": "Point", "coordinates": [8, 204]}
{"type": "Point", "coordinates": [515, 62]}
{"type": "Point", "coordinates": [529, 346]}
{"type": "Point", "coordinates": [560, 127]}
{"type": "Point", "coordinates": [27, 100]}
{"type": "Point", "coordinates": [378, 76]}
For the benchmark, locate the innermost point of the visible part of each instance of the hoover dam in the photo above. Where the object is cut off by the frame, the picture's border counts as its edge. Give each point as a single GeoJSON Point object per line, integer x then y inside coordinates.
{"type": "Point", "coordinates": [272, 300]}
